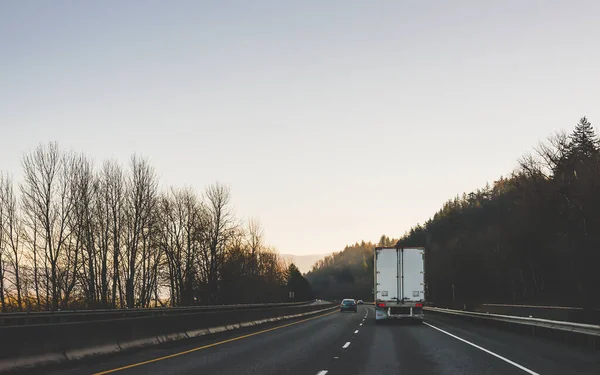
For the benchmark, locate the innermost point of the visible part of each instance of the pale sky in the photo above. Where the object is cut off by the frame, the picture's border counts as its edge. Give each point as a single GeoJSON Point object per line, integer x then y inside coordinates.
{"type": "Point", "coordinates": [332, 122]}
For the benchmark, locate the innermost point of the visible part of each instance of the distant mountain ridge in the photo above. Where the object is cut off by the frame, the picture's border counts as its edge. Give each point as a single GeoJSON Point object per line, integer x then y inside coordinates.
{"type": "Point", "coordinates": [304, 262]}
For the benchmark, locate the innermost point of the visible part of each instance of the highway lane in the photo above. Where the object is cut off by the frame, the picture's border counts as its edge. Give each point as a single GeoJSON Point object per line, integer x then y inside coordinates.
{"type": "Point", "coordinates": [543, 355]}
{"type": "Point", "coordinates": [400, 348]}
{"type": "Point", "coordinates": [294, 349]}
{"type": "Point", "coordinates": [349, 343]}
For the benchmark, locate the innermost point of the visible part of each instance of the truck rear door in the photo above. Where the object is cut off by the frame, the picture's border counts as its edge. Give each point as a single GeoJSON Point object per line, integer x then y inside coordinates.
{"type": "Point", "coordinates": [413, 282]}
{"type": "Point", "coordinates": [387, 275]}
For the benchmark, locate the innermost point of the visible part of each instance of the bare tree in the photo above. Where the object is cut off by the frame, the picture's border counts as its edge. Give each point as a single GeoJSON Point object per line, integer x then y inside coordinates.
{"type": "Point", "coordinates": [11, 226]}
{"type": "Point", "coordinates": [102, 210]}
{"type": "Point", "coordinates": [85, 218]}
{"type": "Point", "coordinates": [255, 242]}
{"type": "Point", "coordinates": [2, 249]}
{"type": "Point", "coordinates": [183, 221]}
{"type": "Point", "coordinates": [151, 259]}
{"type": "Point", "coordinates": [2, 300]}
{"type": "Point", "coordinates": [140, 200]}
{"type": "Point", "coordinates": [169, 237]}
{"type": "Point", "coordinates": [553, 152]}
{"type": "Point", "coordinates": [113, 188]}
{"type": "Point", "coordinates": [30, 237]}
{"type": "Point", "coordinates": [46, 193]}
{"type": "Point", "coordinates": [220, 228]}
{"type": "Point", "coordinates": [236, 283]}
{"type": "Point", "coordinates": [271, 266]}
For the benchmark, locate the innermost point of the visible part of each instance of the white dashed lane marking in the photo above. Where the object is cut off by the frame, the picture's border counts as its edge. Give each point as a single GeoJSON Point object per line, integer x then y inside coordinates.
{"type": "Point", "coordinates": [322, 372]}
{"type": "Point", "coordinates": [356, 331]}
{"type": "Point", "coordinates": [346, 345]}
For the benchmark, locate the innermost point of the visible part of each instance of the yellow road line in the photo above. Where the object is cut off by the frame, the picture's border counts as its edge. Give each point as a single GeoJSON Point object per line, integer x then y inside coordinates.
{"type": "Point", "coordinates": [208, 346]}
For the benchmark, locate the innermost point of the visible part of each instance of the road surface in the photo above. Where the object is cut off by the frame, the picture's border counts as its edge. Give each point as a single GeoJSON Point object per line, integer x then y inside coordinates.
{"type": "Point", "coordinates": [351, 343]}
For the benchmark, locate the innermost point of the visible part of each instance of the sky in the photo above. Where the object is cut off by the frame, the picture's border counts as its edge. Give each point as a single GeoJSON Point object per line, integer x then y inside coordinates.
{"type": "Point", "coordinates": [331, 121]}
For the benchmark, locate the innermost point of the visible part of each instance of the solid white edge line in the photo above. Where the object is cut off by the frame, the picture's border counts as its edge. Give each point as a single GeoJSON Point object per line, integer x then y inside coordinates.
{"type": "Point", "coordinates": [346, 345]}
{"type": "Point", "coordinates": [356, 331]}
{"type": "Point", "coordinates": [322, 372]}
{"type": "Point", "coordinates": [485, 350]}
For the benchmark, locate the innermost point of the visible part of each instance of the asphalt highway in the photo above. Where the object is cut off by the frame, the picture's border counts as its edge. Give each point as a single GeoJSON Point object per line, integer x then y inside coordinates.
{"type": "Point", "coordinates": [351, 343]}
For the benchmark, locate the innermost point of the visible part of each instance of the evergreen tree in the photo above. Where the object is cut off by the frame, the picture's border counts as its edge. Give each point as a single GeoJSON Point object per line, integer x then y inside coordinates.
{"type": "Point", "coordinates": [584, 141]}
{"type": "Point", "coordinates": [298, 284]}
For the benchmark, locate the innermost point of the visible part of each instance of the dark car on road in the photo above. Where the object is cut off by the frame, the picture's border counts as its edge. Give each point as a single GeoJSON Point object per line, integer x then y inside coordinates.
{"type": "Point", "coordinates": [360, 302]}
{"type": "Point", "coordinates": [348, 305]}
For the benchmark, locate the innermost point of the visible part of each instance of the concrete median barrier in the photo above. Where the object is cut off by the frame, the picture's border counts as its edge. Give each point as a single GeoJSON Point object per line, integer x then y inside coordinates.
{"type": "Point", "coordinates": [31, 346]}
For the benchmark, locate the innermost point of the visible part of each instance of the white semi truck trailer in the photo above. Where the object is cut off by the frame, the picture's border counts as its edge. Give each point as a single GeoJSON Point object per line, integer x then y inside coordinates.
{"type": "Point", "coordinates": [399, 283]}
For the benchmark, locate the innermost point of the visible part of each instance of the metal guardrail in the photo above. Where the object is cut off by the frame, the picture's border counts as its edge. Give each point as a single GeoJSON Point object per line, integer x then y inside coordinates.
{"type": "Point", "coordinates": [560, 313]}
{"type": "Point", "coordinates": [532, 306]}
{"type": "Point", "coordinates": [586, 329]}
{"type": "Point", "coordinates": [69, 316]}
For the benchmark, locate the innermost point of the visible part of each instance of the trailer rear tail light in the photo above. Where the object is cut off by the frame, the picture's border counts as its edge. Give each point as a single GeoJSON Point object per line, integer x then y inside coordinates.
{"type": "Point", "coordinates": [381, 305]}
{"type": "Point", "coordinates": [419, 305]}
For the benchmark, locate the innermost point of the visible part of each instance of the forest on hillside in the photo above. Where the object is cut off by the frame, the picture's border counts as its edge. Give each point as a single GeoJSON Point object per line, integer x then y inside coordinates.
{"type": "Point", "coordinates": [530, 237]}
{"type": "Point", "coordinates": [77, 235]}
{"type": "Point", "coordinates": [348, 273]}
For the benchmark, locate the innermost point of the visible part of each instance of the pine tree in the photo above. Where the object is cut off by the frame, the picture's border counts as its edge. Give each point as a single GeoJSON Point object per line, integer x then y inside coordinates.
{"type": "Point", "coordinates": [584, 141]}
{"type": "Point", "coordinates": [298, 284]}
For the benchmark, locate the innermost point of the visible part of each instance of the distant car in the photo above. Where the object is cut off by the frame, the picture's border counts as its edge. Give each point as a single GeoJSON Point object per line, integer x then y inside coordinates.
{"type": "Point", "coordinates": [348, 305]}
{"type": "Point", "coordinates": [360, 302]}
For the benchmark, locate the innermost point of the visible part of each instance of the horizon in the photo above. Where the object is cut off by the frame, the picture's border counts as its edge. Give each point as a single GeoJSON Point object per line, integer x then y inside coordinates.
{"type": "Point", "coordinates": [315, 116]}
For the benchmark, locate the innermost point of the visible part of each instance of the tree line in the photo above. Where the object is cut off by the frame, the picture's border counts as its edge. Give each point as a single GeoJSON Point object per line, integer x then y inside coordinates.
{"type": "Point", "coordinates": [73, 235]}
{"type": "Point", "coordinates": [348, 273]}
{"type": "Point", "coordinates": [530, 237]}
